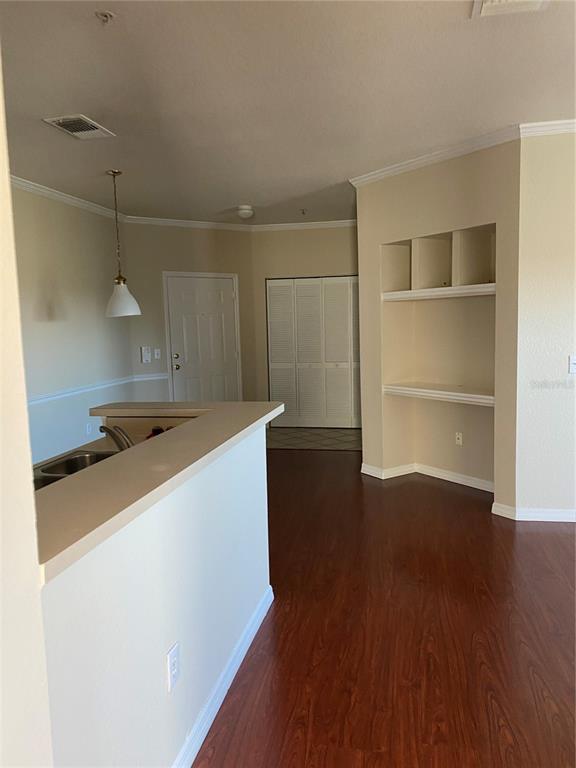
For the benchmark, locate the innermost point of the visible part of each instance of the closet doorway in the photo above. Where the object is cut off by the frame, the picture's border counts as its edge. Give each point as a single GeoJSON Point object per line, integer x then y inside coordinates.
{"type": "Point", "coordinates": [313, 350]}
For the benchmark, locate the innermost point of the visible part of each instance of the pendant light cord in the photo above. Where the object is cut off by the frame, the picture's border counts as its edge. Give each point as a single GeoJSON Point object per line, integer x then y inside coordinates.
{"type": "Point", "coordinates": [117, 225]}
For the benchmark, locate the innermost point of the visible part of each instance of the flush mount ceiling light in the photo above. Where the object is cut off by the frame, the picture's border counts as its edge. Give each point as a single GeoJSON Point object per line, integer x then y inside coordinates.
{"type": "Point", "coordinates": [245, 211]}
{"type": "Point", "coordinates": [121, 303]}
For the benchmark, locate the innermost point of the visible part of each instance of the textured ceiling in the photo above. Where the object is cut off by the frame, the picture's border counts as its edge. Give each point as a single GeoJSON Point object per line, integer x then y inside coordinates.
{"type": "Point", "coordinates": [271, 103]}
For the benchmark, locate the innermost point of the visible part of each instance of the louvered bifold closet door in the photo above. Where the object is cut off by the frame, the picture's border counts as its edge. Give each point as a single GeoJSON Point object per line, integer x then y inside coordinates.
{"type": "Point", "coordinates": [337, 351]}
{"type": "Point", "coordinates": [282, 348]}
{"type": "Point", "coordinates": [310, 352]}
{"type": "Point", "coordinates": [313, 350]}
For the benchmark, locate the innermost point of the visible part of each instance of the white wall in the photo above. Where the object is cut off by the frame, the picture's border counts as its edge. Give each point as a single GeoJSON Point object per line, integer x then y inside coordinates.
{"type": "Point", "coordinates": [192, 569]}
{"type": "Point", "coordinates": [76, 358]}
{"type": "Point", "coordinates": [66, 267]}
{"type": "Point", "coordinates": [546, 456]}
{"type": "Point", "coordinates": [24, 713]}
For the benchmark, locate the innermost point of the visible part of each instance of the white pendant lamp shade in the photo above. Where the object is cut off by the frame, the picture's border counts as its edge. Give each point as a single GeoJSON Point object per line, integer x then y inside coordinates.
{"type": "Point", "coordinates": [121, 303]}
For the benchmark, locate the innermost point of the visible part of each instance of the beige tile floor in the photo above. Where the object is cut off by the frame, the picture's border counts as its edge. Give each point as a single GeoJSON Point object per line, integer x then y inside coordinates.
{"type": "Point", "coordinates": [318, 439]}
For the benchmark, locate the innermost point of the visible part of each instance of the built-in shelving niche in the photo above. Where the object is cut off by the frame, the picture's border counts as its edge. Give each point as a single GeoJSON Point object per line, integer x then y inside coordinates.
{"type": "Point", "coordinates": [438, 341]}
{"type": "Point", "coordinates": [459, 263]}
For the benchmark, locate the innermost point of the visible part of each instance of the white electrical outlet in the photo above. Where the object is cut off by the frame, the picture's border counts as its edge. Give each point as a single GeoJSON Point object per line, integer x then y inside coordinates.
{"type": "Point", "coordinates": [157, 354]}
{"type": "Point", "coordinates": [173, 665]}
{"type": "Point", "coordinates": [572, 365]}
{"type": "Point", "coordinates": [145, 354]}
{"type": "Point", "coordinates": [459, 440]}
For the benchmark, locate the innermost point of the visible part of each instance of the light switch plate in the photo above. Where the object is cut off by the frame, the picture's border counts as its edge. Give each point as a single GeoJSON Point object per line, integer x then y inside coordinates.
{"type": "Point", "coordinates": [572, 364]}
{"type": "Point", "coordinates": [173, 665]}
{"type": "Point", "coordinates": [157, 353]}
{"type": "Point", "coordinates": [145, 354]}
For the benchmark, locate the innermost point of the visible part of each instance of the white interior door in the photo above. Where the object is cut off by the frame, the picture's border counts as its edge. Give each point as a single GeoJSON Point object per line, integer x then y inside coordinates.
{"type": "Point", "coordinates": [203, 337]}
{"type": "Point", "coordinates": [313, 350]}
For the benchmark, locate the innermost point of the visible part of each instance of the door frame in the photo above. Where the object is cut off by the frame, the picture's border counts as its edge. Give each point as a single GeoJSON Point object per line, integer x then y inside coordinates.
{"type": "Point", "coordinates": [166, 275]}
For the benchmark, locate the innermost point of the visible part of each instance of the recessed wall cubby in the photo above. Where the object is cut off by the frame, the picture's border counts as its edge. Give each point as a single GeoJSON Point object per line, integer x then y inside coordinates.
{"type": "Point", "coordinates": [431, 262]}
{"type": "Point", "coordinates": [395, 267]}
{"type": "Point", "coordinates": [438, 352]}
{"type": "Point", "coordinates": [474, 256]}
{"type": "Point", "coordinates": [458, 263]}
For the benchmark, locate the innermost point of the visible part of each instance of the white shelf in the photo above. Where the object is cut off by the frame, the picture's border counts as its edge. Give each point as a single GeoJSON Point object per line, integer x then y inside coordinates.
{"type": "Point", "coordinates": [450, 393]}
{"type": "Point", "coordinates": [450, 292]}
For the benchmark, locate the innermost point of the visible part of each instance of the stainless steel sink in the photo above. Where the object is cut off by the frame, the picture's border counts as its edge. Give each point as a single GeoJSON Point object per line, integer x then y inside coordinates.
{"type": "Point", "coordinates": [74, 463]}
{"type": "Point", "coordinates": [41, 482]}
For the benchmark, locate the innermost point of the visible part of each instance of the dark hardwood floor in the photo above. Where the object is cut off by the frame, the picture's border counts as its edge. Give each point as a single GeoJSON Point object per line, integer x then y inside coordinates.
{"type": "Point", "coordinates": [411, 629]}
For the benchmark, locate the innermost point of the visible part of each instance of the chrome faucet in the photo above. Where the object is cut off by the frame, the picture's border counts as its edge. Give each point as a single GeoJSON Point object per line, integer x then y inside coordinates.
{"type": "Point", "coordinates": [120, 437]}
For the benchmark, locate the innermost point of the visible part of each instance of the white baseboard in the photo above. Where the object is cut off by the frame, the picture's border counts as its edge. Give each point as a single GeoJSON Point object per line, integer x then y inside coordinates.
{"type": "Point", "coordinates": [208, 713]}
{"type": "Point", "coordinates": [455, 477]}
{"type": "Point", "coordinates": [533, 514]}
{"type": "Point", "coordinates": [386, 474]}
{"type": "Point", "coordinates": [424, 469]}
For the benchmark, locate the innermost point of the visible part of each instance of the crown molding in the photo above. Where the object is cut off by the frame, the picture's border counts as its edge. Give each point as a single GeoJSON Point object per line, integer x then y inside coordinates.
{"type": "Point", "coordinates": [188, 224]}
{"type": "Point", "coordinates": [447, 153]}
{"type": "Point", "coordinates": [547, 129]}
{"type": "Point", "coordinates": [62, 197]}
{"type": "Point", "coordinates": [185, 223]}
{"type": "Point", "coordinates": [304, 225]}
{"type": "Point", "coordinates": [486, 141]}
{"type": "Point", "coordinates": [77, 202]}
{"type": "Point", "coordinates": [523, 130]}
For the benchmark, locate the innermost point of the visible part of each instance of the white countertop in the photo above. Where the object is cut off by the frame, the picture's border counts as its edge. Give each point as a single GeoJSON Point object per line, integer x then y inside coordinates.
{"type": "Point", "coordinates": [75, 514]}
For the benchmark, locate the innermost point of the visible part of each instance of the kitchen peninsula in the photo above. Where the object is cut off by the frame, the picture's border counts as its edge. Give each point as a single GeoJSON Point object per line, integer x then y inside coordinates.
{"type": "Point", "coordinates": [162, 545]}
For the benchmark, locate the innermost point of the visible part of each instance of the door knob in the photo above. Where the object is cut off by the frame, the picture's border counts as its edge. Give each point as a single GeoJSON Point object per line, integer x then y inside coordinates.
{"type": "Point", "coordinates": [175, 367]}
{"type": "Point", "coordinates": [175, 355]}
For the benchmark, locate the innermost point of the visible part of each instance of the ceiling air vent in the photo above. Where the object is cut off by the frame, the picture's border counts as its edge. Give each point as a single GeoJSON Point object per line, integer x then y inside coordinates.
{"type": "Point", "coordinates": [79, 126]}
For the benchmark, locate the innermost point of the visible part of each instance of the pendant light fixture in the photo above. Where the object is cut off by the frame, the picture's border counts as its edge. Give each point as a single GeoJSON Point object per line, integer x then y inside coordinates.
{"type": "Point", "coordinates": [121, 303]}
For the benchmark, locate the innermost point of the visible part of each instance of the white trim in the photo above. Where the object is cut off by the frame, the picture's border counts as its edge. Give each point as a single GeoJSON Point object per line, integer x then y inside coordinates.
{"type": "Point", "coordinates": [186, 223]}
{"type": "Point", "coordinates": [511, 133]}
{"type": "Point", "coordinates": [150, 377]}
{"type": "Point", "coordinates": [208, 713]}
{"type": "Point", "coordinates": [61, 197]}
{"type": "Point", "coordinates": [166, 275]}
{"type": "Point", "coordinates": [547, 129]}
{"type": "Point", "coordinates": [503, 510]}
{"type": "Point", "coordinates": [455, 477]}
{"type": "Point", "coordinates": [447, 292]}
{"type": "Point", "coordinates": [73, 391]}
{"type": "Point", "coordinates": [189, 224]}
{"type": "Point", "coordinates": [446, 395]}
{"type": "Point", "coordinates": [368, 469]}
{"type": "Point", "coordinates": [533, 514]}
{"type": "Point", "coordinates": [77, 202]}
{"type": "Point", "coordinates": [447, 153]}
{"type": "Point", "coordinates": [338, 224]}
{"type": "Point", "coordinates": [387, 474]}
{"type": "Point", "coordinates": [424, 469]}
